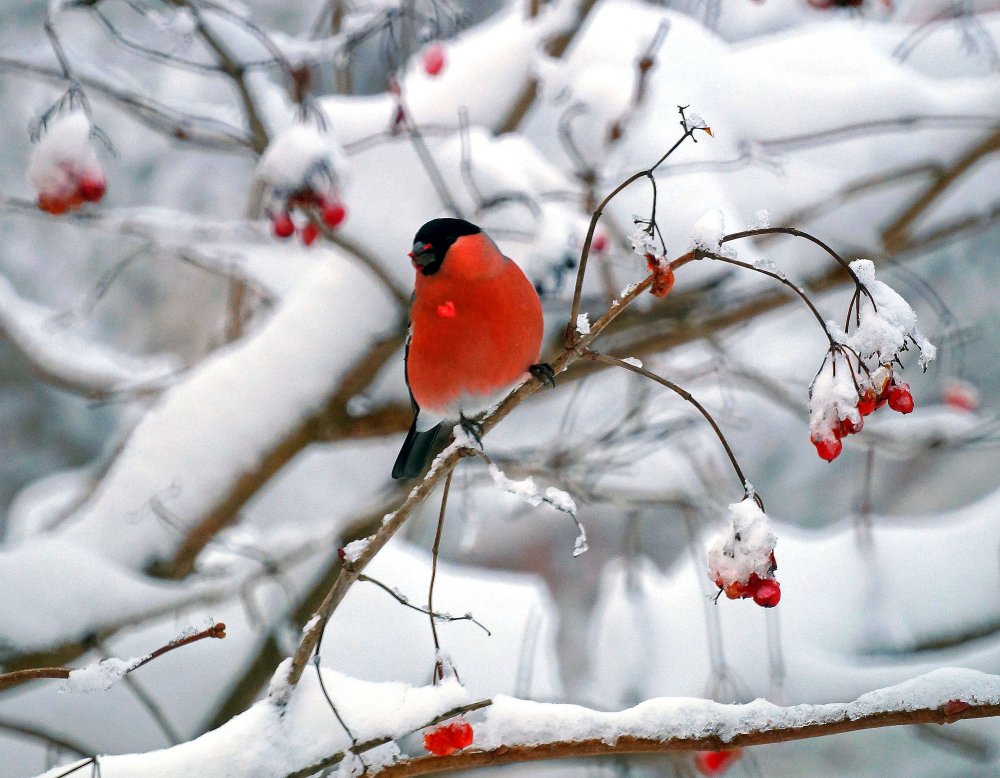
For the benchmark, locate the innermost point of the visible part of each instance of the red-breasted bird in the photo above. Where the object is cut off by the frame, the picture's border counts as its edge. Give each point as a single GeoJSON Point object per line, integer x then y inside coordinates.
{"type": "Point", "coordinates": [475, 330]}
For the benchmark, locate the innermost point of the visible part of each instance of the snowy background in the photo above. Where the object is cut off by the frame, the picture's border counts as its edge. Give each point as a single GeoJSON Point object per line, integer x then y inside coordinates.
{"type": "Point", "coordinates": [134, 409]}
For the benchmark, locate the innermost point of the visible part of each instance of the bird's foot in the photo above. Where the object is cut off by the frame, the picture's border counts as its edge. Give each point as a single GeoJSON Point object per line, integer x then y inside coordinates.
{"type": "Point", "coordinates": [472, 428]}
{"type": "Point", "coordinates": [544, 373]}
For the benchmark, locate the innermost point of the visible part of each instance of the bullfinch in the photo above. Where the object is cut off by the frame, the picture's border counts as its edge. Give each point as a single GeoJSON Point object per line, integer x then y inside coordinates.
{"type": "Point", "coordinates": [475, 330]}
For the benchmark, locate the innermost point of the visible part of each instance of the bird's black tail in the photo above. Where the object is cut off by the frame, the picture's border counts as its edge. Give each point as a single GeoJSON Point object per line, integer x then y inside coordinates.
{"type": "Point", "coordinates": [417, 450]}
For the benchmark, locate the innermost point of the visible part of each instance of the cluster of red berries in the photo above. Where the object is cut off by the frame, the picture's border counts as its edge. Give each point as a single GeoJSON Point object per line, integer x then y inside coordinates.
{"type": "Point", "coordinates": [663, 275]}
{"type": "Point", "coordinates": [894, 393]}
{"type": "Point", "coordinates": [77, 190]}
{"type": "Point", "coordinates": [766, 591]}
{"type": "Point", "coordinates": [434, 59]}
{"type": "Point", "coordinates": [715, 762]}
{"type": "Point", "coordinates": [310, 203]}
{"type": "Point", "coordinates": [448, 738]}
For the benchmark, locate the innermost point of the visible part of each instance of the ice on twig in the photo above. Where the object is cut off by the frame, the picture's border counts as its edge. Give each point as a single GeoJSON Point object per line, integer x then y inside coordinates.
{"type": "Point", "coordinates": [583, 324]}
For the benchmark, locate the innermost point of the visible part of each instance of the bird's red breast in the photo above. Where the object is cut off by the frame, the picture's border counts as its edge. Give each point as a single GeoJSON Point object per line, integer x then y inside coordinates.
{"type": "Point", "coordinates": [476, 327]}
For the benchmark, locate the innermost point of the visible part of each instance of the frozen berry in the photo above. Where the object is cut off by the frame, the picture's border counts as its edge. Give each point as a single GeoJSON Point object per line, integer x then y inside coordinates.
{"type": "Point", "coordinates": [715, 762]}
{"type": "Point", "coordinates": [600, 242]}
{"type": "Point", "coordinates": [828, 448]}
{"type": "Point", "coordinates": [333, 213]}
{"type": "Point", "coordinates": [282, 225]}
{"type": "Point", "coordinates": [768, 593]}
{"type": "Point", "coordinates": [900, 399]}
{"type": "Point", "coordinates": [92, 188]}
{"type": "Point", "coordinates": [309, 234]}
{"type": "Point", "coordinates": [449, 738]}
{"type": "Point", "coordinates": [434, 59]}
{"type": "Point", "coordinates": [735, 590]}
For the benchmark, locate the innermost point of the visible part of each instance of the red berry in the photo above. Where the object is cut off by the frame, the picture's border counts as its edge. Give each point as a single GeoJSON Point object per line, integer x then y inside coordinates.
{"type": "Point", "coordinates": [333, 213]}
{"type": "Point", "coordinates": [600, 242]}
{"type": "Point", "coordinates": [867, 405]}
{"type": "Point", "coordinates": [735, 590]}
{"type": "Point", "coordinates": [52, 204]}
{"type": "Point", "coordinates": [434, 59]}
{"type": "Point", "coordinates": [850, 427]}
{"type": "Point", "coordinates": [715, 762]}
{"type": "Point", "coordinates": [309, 233]}
{"type": "Point", "coordinates": [282, 225]}
{"type": "Point", "coordinates": [952, 707]}
{"type": "Point", "coordinates": [92, 188]}
{"type": "Point", "coordinates": [900, 399]}
{"type": "Point", "coordinates": [768, 594]}
{"type": "Point", "coordinates": [960, 396]}
{"type": "Point", "coordinates": [449, 738]}
{"type": "Point", "coordinates": [751, 585]}
{"type": "Point", "coordinates": [828, 449]}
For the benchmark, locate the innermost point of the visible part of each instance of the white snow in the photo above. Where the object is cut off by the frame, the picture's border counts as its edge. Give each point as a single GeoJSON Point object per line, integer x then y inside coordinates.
{"type": "Point", "coordinates": [708, 231]}
{"type": "Point", "coordinates": [583, 324]}
{"type": "Point", "coordinates": [50, 342]}
{"type": "Point", "coordinates": [833, 396]}
{"type": "Point", "coordinates": [62, 154]}
{"type": "Point", "coordinates": [99, 676]}
{"type": "Point", "coordinates": [303, 156]}
{"type": "Point", "coordinates": [746, 546]}
{"type": "Point", "coordinates": [886, 326]}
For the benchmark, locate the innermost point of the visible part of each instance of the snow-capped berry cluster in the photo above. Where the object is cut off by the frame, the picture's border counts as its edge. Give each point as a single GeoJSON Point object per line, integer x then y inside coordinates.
{"type": "Point", "coordinates": [63, 167]}
{"type": "Point", "coordinates": [448, 738]}
{"type": "Point", "coordinates": [303, 168]}
{"type": "Point", "coordinates": [741, 561]}
{"type": "Point", "coordinates": [858, 375]}
{"type": "Point", "coordinates": [716, 762]}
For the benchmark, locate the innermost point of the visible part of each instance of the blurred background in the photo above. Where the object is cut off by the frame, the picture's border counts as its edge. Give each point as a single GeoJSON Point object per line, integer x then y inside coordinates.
{"type": "Point", "coordinates": [873, 126]}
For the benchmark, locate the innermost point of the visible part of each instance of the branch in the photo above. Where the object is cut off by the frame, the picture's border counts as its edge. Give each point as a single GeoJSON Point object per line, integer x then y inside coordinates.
{"type": "Point", "coordinates": [896, 236]}
{"type": "Point", "coordinates": [785, 725]}
{"type": "Point", "coordinates": [203, 131]}
{"type": "Point", "coordinates": [39, 673]}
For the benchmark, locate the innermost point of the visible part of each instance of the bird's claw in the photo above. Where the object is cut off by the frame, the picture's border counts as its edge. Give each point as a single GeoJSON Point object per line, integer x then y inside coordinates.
{"type": "Point", "coordinates": [472, 428]}
{"type": "Point", "coordinates": [544, 373]}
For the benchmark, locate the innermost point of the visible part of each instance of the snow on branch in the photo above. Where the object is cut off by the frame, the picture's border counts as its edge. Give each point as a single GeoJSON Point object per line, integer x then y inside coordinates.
{"type": "Point", "coordinates": [64, 358]}
{"type": "Point", "coordinates": [299, 740]}
{"type": "Point", "coordinates": [102, 675]}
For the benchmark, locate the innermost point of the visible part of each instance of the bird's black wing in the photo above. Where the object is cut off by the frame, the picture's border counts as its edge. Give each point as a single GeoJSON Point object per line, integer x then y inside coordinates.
{"type": "Point", "coordinates": [418, 448]}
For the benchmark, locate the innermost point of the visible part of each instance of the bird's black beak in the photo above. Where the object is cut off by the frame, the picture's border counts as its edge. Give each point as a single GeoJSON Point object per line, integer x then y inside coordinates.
{"type": "Point", "coordinates": [422, 254]}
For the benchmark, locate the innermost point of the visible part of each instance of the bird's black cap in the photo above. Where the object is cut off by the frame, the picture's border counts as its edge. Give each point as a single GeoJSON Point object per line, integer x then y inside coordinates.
{"type": "Point", "coordinates": [433, 240]}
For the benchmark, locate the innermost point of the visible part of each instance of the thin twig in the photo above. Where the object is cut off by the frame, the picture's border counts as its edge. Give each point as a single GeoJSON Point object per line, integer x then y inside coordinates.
{"type": "Point", "coordinates": [402, 600]}
{"type": "Point", "coordinates": [438, 667]}
{"type": "Point", "coordinates": [38, 673]}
